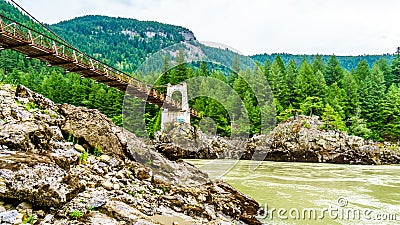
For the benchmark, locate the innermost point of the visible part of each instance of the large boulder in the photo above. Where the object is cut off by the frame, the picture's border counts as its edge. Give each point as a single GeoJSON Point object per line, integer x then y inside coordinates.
{"type": "Point", "coordinates": [91, 127]}
{"type": "Point", "coordinates": [174, 172]}
{"type": "Point", "coordinates": [37, 179]}
{"type": "Point", "coordinates": [182, 141]}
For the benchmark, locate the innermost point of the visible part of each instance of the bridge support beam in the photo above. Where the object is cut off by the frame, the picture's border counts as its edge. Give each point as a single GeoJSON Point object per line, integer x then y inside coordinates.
{"type": "Point", "coordinates": [171, 116]}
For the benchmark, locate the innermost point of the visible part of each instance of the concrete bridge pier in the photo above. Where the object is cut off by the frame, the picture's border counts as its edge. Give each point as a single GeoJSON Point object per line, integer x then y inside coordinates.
{"type": "Point", "coordinates": [170, 116]}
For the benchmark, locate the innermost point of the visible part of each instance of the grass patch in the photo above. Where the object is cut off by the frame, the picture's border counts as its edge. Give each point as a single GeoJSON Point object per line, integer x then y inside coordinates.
{"type": "Point", "coordinates": [76, 214]}
{"type": "Point", "coordinates": [30, 106]}
{"type": "Point", "coordinates": [82, 159]}
{"type": "Point", "coordinates": [29, 220]}
{"type": "Point", "coordinates": [97, 151]}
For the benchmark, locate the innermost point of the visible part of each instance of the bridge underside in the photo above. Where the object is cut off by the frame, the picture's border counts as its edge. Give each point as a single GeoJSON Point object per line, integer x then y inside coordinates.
{"type": "Point", "coordinates": [51, 57]}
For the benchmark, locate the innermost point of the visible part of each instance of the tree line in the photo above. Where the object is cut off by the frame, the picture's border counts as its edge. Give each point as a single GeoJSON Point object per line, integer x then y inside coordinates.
{"type": "Point", "coordinates": [363, 102]}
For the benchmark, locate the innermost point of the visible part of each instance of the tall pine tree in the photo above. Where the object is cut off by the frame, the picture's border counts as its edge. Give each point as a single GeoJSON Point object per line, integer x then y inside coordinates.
{"type": "Point", "coordinates": [333, 71]}
{"type": "Point", "coordinates": [371, 97]}
{"type": "Point", "coordinates": [391, 114]}
{"type": "Point", "coordinates": [278, 83]}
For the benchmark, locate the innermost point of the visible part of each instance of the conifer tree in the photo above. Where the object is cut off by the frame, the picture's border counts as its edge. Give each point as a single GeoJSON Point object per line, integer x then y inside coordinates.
{"type": "Point", "coordinates": [332, 119]}
{"type": "Point", "coordinates": [371, 98]}
{"type": "Point", "coordinates": [350, 88]}
{"type": "Point", "coordinates": [235, 70]}
{"type": "Point", "coordinates": [318, 64]}
{"type": "Point", "coordinates": [308, 84]}
{"type": "Point", "coordinates": [312, 106]}
{"type": "Point", "coordinates": [395, 76]}
{"type": "Point", "coordinates": [278, 83]}
{"type": "Point", "coordinates": [204, 69]}
{"type": "Point", "coordinates": [387, 72]}
{"type": "Point", "coordinates": [333, 71]}
{"type": "Point", "coordinates": [337, 99]}
{"type": "Point", "coordinates": [179, 72]}
{"type": "Point", "coordinates": [391, 114]}
{"type": "Point", "coordinates": [266, 68]}
{"type": "Point", "coordinates": [362, 71]}
{"type": "Point", "coordinates": [358, 126]}
{"type": "Point", "coordinates": [291, 74]}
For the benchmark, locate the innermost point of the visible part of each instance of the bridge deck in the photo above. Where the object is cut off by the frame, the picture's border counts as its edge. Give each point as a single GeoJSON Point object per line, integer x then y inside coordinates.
{"type": "Point", "coordinates": [20, 38]}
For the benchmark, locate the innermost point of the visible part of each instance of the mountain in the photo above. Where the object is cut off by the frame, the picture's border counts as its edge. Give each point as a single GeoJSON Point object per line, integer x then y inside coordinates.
{"type": "Point", "coordinates": [126, 43]}
{"type": "Point", "coordinates": [121, 42]}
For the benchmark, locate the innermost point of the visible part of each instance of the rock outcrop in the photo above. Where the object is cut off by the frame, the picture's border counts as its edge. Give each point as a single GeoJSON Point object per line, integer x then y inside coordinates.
{"type": "Point", "coordinates": [300, 139]}
{"type": "Point", "coordinates": [182, 141]}
{"type": "Point", "coordinates": [50, 175]}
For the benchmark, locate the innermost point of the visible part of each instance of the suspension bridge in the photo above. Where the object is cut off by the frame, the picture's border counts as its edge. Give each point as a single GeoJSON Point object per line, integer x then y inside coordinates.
{"type": "Point", "coordinates": [55, 51]}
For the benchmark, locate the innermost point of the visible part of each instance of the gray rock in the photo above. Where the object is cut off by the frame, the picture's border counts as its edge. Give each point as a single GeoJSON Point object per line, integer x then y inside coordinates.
{"type": "Point", "coordinates": [48, 218]}
{"type": "Point", "coordinates": [79, 148]}
{"type": "Point", "coordinates": [126, 213]}
{"type": "Point", "coordinates": [108, 185]}
{"type": "Point", "coordinates": [97, 202]}
{"type": "Point", "coordinates": [292, 141]}
{"type": "Point", "coordinates": [42, 184]}
{"type": "Point", "coordinates": [24, 206]}
{"type": "Point", "coordinates": [104, 158]}
{"type": "Point", "coordinates": [9, 216]}
{"type": "Point", "coordinates": [91, 127]}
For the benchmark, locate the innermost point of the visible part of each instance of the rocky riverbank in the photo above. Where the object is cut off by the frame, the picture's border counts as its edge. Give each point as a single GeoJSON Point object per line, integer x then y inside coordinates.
{"type": "Point", "coordinates": [303, 139]}
{"type": "Point", "coordinates": [300, 139]}
{"type": "Point", "coordinates": [61, 164]}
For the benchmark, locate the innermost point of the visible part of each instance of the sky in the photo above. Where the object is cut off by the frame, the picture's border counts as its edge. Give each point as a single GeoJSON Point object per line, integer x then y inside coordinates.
{"type": "Point", "coordinates": [340, 27]}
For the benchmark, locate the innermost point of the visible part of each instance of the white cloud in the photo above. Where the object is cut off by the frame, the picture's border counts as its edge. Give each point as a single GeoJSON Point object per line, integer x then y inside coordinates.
{"type": "Point", "coordinates": [341, 27]}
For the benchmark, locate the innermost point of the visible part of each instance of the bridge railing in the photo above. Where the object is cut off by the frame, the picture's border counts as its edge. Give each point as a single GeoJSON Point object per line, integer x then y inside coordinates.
{"type": "Point", "coordinates": [70, 54]}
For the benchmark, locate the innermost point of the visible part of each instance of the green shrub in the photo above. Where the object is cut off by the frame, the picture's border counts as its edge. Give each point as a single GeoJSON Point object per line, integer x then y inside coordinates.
{"type": "Point", "coordinates": [76, 214]}
{"type": "Point", "coordinates": [31, 106]}
{"type": "Point", "coordinates": [71, 137]}
{"type": "Point", "coordinates": [97, 151]}
{"type": "Point", "coordinates": [52, 115]}
{"type": "Point", "coordinates": [83, 157]}
{"type": "Point", "coordinates": [164, 189]}
{"type": "Point", "coordinates": [29, 220]}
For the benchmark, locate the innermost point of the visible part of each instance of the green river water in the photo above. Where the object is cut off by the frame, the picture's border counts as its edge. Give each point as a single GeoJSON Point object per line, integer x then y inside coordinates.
{"type": "Point", "coordinates": [310, 193]}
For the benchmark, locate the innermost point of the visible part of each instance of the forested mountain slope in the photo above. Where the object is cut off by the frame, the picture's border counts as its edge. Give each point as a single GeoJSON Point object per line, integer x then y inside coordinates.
{"type": "Point", "coordinates": [121, 42]}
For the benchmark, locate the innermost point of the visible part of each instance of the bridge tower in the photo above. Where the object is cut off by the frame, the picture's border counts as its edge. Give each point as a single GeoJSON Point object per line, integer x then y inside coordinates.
{"type": "Point", "coordinates": [172, 115]}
